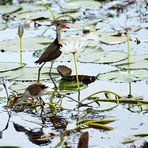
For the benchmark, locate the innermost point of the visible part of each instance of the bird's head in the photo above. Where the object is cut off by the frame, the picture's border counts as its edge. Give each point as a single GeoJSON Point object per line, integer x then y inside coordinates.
{"type": "Point", "coordinates": [62, 25]}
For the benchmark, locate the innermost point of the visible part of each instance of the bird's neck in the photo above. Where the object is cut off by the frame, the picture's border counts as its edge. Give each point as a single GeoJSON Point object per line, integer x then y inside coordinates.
{"type": "Point", "coordinates": [59, 38]}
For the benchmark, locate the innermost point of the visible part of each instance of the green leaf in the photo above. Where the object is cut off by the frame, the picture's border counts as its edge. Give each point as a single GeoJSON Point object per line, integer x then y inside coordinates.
{"type": "Point", "coordinates": [75, 4]}
{"type": "Point", "coordinates": [129, 140]}
{"type": "Point", "coordinates": [124, 76]}
{"type": "Point", "coordinates": [8, 9]}
{"type": "Point", "coordinates": [29, 44]}
{"type": "Point", "coordinates": [99, 126]}
{"type": "Point", "coordinates": [102, 121]}
{"type": "Point", "coordinates": [69, 85]}
{"type": "Point", "coordinates": [137, 62]}
{"type": "Point", "coordinates": [28, 74]}
{"type": "Point", "coordinates": [7, 66]}
{"type": "Point", "coordinates": [141, 135]}
{"type": "Point", "coordinates": [96, 55]}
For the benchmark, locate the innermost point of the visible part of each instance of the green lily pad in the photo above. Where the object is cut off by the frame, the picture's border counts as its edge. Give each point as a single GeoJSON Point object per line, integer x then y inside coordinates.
{"type": "Point", "coordinates": [69, 85]}
{"type": "Point", "coordinates": [33, 15]}
{"type": "Point", "coordinates": [28, 74]}
{"type": "Point", "coordinates": [106, 37]}
{"type": "Point", "coordinates": [19, 86]}
{"type": "Point", "coordinates": [124, 76]}
{"type": "Point", "coordinates": [29, 44]}
{"type": "Point", "coordinates": [85, 4]}
{"type": "Point", "coordinates": [7, 9]}
{"type": "Point", "coordinates": [7, 66]}
{"type": "Point", "coordinates": [137, 62]}
{"type": "Point", "coordinates": [96, 55]}
{"type": "Point", "coordinates": [83, 25]}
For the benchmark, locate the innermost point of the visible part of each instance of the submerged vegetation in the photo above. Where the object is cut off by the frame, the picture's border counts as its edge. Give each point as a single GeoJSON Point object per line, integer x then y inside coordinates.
{"type": "Point", "coordinates": [90, 96]}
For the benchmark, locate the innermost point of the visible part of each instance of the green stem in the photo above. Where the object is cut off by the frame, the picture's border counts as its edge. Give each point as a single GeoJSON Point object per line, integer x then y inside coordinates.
{"type": "Point", "coordinates": [65, 15]}
{"type": "Point", "coordinates": [21, 52]}
{"type": "Point", "coordinates": [49, 9]}
{"type": "Point", "coordinates": [128, 46]}
{"type": "Point", "coordinates": [76, 70]}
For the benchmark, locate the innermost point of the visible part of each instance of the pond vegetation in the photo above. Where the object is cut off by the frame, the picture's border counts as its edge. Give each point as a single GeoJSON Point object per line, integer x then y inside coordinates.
{"type": "Point", "coordinates": [95, 94]}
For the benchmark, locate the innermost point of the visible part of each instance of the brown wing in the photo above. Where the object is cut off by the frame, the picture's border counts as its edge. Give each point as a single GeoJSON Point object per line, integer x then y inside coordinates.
{"type": "Point", "coordinates": [51, 52]}
{"type": "Point", "coordinates": [35, 89]}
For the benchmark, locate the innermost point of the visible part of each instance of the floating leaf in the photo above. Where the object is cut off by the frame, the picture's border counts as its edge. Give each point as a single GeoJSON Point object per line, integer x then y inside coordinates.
{"type": "Point", "coordinates": [29, 44]}
{"type": "Point", "coordinates": [141, 135]}
{"type": "Point", "coordinates": [82, 78]}
{"type": "Point", "coordinates": [83, 25]}
{"type": "Point", "coordinates": [81, 4]}
{"type": "Point", "coordinates": [137, 62]}
{"type": "Point", "coordinates": [19, 86]}
{"type": "Point", "coordinates": [33, 15]}
{"type": "Point", "coordinates": [99, 126]}
{"type": "Point", "coordinates": [7, 66]}
{"type": "Point", "coordinates": [111, 40]}
{"type": "Point", "coordinates": [124, 76]}
{"type": "Point", "coordinates": [106, 37]}
{"type": "Point", "coordinates": [129, 140]}
{"type": "Point", "coordinates": [93, 55]}
{"type": "Point", "coordinates": [69, 85]}
{"type": "Point", "coordinates": [27, 74]}
{"type": "Point", "coordinates": [5, 9]}
{"type": "Point", "coordinates": [102, 121]}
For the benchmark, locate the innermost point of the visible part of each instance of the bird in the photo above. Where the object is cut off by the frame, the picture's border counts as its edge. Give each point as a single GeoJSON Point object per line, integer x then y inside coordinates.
{"type": "Point", "coordinates": [52, 52]}
{"type": "Point", "coordinates": [34, 90]}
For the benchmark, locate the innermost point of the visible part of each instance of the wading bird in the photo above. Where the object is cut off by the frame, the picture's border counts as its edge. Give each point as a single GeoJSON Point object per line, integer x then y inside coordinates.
{"type": "Point", "coordinates": [52, 52]}
{"type": "Point", "coordinates": [34, 90]}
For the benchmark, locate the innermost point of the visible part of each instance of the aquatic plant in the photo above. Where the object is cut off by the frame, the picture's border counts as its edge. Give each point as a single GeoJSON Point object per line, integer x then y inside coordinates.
{"type": "Point", "coordinates": [20, 34]}
{"type": "Point", "coordinates": [73, 47]}
{"type": "Point", "coordinates": [54, 16]}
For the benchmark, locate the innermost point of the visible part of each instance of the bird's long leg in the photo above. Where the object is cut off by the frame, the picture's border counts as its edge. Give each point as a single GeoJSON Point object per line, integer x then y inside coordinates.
{"type": "Point", "coordinates": [42, 103]}
{"type": "Point", "coordinates": [51, 76]}
{"type": "Point", "coordinates": [39, 71]}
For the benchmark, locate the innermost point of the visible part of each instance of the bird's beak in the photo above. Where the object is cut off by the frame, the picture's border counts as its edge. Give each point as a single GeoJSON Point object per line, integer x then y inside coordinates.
{"type": "Point", "coordinates": [67, 27]}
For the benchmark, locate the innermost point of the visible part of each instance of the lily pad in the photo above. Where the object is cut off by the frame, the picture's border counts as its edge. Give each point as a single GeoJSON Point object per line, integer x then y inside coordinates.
{"type": "Point", "coordinates": [7, 9]}
{"type": "Point", "coordinates": [85, 4]}
{"type": "Point", "coordinates": [69, 85]}
{"type": "Point", "coordinates": [108, 38]}
{"type": "Point", "coordinates": [19, 86]}
{"type": "Point", "coordinates": [124, 76]}
{"type": "Point", "coordinates": [7, 66]}
{"type": "Point", "coordinates": [33, 15]}
{"type": "Point", "coordinates": [137, 62]}
{"type": "Point", "coordinates": [28, 74]}
{"type": "Point", "coordinates": [29, 44]}
{"type": "Point", "coordinates": [93, 55]}
{"type": "Point", "coordinates": [83, 25]}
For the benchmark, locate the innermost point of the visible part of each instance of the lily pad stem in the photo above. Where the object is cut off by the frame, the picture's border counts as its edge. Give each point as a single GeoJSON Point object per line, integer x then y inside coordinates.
{"type": "Point", "coordinates": [49, 9]}
{"type": "Point", "coordinates": [76, 70]}
{"type": "Point", "coordinates": [21, 63]}
{"type": "Point", "coordinates": [128, 46]}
